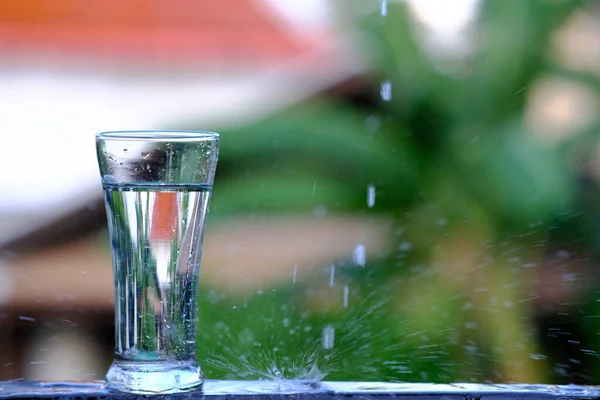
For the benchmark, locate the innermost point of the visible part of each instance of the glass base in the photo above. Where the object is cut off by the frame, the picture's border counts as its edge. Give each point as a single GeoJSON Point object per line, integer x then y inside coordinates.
{"type": "Point", "coordinates": [150, 377]}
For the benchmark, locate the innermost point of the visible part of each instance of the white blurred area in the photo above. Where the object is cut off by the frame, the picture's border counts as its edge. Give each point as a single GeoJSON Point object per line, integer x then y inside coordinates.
{"type": "Point", "coordinates": [51, 111]}
{"type": "Point", "coordinates": [444, 27]}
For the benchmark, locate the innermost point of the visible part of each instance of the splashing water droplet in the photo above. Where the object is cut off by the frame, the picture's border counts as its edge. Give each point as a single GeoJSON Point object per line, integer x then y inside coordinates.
{"type": "Point", "coordinates": [383, 8]}
{"type": "Point", "coordinates": [328, 337]}
{"type": "Point", "coordinates": [275, 372]}
{"type": "Point", "coordinates": [370, 196]}
{"type": "Point", "coordinates": [360, 255]}
{"type": "Point", "coordinates": [386, 90]}
{"type": "Point", "coordinates": [145, 154]}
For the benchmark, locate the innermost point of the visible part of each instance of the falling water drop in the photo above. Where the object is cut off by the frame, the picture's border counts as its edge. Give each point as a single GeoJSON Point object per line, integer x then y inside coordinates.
{"type": "Point", "coordinates": [295, 275]}
{"type": "Point", "coordinates": [359, 257]}
{"type": "Point", "coordinates": [383, 8]}
{"type": "Point", "coordinates": [346, 292]}
{"type": "Point", "coordinates": [370, 195]}
{"type": "Point", "coordinates": [332, 276]}
{"type": "Point", "coordinates": [328, 337]}
{"type": "Point", "coordinates": [386, 90]}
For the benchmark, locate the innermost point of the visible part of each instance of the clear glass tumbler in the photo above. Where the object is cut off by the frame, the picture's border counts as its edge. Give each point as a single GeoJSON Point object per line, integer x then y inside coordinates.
{"type": "Point", "coordinates": [156, 187]}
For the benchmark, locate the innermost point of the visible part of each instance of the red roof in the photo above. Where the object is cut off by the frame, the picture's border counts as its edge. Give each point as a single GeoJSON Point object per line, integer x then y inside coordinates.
{"type": "Point", "coordinates": [206, 31]}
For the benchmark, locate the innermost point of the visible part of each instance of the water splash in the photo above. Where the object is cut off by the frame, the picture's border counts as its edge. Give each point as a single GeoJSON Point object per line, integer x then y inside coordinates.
{"type": "Point", "coordinates": [266, 366]}
{"type": "Point", "coordinates": [306, 348]}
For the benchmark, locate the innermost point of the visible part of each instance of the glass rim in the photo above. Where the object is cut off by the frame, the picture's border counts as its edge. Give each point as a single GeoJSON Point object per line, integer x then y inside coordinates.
{"type": "Point", "coordinates": [158, 135]}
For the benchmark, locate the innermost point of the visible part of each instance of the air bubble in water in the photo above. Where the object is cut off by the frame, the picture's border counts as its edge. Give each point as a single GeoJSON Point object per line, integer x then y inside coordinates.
{"type": "Point", "coordinates": [359, 257]}
{"type": "Point", "coordinates": [386, 90]}
{"type": "Point", "coordinates": [328, 337]}
{"type": "Point", "coordinates": [370, 196]}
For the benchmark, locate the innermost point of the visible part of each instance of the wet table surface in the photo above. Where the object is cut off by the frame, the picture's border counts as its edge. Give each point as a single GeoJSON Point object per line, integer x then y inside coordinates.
{"type": "Point", "coordinates": [277, 390]}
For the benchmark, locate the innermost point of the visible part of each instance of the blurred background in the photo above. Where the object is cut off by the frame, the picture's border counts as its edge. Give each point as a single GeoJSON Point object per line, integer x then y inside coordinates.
{"type": "Point", "coordinates": [406, 191]}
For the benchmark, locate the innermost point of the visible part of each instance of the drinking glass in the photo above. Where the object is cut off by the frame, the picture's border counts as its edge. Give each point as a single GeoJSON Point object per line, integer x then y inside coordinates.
{"type": "Point", "coordinates": [156, 189]}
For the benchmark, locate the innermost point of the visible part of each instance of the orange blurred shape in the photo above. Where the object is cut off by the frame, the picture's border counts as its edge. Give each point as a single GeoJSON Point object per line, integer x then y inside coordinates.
{"type": "Point", "coordinates": [241, 13]}
{"type": "Point", "coordinates": [204, 30]}
{"type": "Point", "coordinates": [164, 216]}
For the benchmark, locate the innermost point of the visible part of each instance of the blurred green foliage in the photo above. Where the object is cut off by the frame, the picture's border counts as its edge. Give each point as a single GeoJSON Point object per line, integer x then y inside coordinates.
{"type": "Point", "coordinates": [480, 208]}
